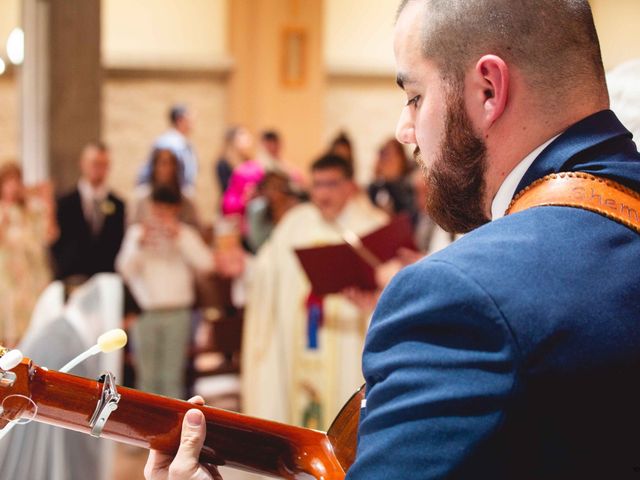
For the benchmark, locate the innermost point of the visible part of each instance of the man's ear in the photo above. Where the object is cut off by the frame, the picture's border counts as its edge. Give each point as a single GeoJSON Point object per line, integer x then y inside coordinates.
{"type": "Point", "coordinates": [491, 84]}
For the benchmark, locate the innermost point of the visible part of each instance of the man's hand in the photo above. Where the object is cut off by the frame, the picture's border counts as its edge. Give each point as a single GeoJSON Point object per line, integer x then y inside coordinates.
{"type": "Point", "coordinates": [365, 300]}
{"type": "Point", "coordinates": [385, 272]}
{"type": "Point", "coordinates": [185, 465]}
{"type": "Point", "coordinates": [230, 262]}
{"type": "Point", "coordinates": [408, 256]}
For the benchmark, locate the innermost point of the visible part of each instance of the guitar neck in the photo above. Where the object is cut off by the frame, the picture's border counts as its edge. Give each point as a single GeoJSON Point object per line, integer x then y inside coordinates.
{"type": "Point", "coordinates": [155, 422]}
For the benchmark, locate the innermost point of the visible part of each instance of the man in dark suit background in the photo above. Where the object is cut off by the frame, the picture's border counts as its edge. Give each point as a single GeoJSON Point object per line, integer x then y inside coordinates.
{"type": "Point", "coordinates": [91, 220]}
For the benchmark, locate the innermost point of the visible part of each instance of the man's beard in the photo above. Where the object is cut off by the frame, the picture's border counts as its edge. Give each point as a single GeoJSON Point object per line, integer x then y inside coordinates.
{"type": "Point", "coordinates": [455, 179]}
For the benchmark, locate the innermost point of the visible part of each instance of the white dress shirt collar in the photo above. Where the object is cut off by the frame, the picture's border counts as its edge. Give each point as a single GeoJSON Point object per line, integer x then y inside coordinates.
{"type": "Point", "coordinates": [508, 188]}
{"type": "Point", "coordinates": [89, 192]}
{"type": "Point", "coordinates": [89, 195]}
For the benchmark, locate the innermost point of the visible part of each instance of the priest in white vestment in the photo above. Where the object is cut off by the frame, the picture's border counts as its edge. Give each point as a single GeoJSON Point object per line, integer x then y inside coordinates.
{"type": "Point", "coordinates": [291, 371]}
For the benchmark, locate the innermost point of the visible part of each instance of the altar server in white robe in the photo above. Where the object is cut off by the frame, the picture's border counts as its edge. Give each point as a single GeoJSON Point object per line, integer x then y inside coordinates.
{"type": "Point", "coordinates": [293, 371]}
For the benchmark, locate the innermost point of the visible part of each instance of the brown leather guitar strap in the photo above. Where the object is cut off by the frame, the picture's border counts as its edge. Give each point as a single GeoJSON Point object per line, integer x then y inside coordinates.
{"type": "Point", "coordinates": [582, 190]}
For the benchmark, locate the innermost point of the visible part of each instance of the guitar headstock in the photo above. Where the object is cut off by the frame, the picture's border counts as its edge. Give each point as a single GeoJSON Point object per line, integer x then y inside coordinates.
{"type": "Point", "coordinates": [15, 390]}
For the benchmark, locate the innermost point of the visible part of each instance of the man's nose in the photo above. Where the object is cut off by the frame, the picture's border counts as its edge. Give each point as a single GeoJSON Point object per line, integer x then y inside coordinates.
{"type": "Point", "coordinates": [405, 129]}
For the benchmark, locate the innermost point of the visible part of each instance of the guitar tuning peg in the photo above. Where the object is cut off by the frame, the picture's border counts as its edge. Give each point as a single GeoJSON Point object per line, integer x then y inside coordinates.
{"type": "Point", "coordinates": [10, 359]}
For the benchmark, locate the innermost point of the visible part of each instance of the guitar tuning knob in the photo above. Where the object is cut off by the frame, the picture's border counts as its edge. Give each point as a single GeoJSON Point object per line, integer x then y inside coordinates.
{"type": "Point", "coordinates": [10, 360]}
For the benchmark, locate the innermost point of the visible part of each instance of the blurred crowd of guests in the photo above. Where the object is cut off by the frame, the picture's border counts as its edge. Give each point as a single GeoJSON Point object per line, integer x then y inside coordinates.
{"type": "Point", "coordinates": [160, 247]}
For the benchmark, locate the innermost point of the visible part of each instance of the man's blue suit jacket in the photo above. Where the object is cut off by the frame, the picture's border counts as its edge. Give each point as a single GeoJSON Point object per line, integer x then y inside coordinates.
{"type": "Point", "coordinates": [515, 352]}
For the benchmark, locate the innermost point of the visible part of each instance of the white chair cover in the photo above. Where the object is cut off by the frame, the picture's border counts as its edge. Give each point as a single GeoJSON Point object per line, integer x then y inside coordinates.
{"type": "Point", "coordinates": [624, 89]}
{"type": "Point", "coordinates": [56, 334]}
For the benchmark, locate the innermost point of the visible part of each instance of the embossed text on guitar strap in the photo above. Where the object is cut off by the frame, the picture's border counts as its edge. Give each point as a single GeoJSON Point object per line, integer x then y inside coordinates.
{"type": "Point", "coordinates": [582, 190]}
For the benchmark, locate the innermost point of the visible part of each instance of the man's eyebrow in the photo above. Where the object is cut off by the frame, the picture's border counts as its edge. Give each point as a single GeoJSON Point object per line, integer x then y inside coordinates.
{"type": "Point", "coordinates": [402, 79]}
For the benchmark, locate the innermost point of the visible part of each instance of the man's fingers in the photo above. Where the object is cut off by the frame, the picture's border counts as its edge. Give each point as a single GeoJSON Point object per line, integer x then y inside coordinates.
{"type": "Point", "coordinates": [157, 462]}
{"type": "Point", "coordinates": [150, 465]}
{"type": "Point", "coordinates": [193, 435]}
{"type": "Point", "coordinates": [192, 438]}
{"type": "Point", "coordinates": [197, 400]}
{"type": "Point", "coordinates": [213, 470]}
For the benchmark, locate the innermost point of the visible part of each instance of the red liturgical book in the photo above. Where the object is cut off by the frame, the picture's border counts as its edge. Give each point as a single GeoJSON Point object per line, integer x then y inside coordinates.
{"type": "Point", "coordinates": [333, 268]}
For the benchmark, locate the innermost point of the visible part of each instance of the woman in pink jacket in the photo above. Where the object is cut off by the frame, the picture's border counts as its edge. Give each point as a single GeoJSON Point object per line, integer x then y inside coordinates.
{"type": "Point", "coordinates": [247, 172]}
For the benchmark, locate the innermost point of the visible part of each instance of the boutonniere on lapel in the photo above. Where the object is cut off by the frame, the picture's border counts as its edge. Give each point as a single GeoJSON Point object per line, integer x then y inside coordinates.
{"type": "Point", "coordinates": [108, 207]}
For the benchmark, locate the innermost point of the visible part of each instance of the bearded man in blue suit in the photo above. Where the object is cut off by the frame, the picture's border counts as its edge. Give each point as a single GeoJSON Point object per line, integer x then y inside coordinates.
{"type": "Point", "coordinates": [515, 352]}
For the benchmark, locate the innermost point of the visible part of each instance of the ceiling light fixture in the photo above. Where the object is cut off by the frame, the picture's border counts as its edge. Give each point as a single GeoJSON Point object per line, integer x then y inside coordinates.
{"type": "Point", "coordinates": [15, 46]}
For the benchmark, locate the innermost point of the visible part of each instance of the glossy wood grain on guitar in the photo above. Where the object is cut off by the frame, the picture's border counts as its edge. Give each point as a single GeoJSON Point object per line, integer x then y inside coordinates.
{"type": "Point", "coordinates": [152, 421]}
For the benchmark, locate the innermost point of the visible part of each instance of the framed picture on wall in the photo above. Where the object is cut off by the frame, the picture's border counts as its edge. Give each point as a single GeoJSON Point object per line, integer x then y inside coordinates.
{"type": "Point", "coordinates": [294, 57]}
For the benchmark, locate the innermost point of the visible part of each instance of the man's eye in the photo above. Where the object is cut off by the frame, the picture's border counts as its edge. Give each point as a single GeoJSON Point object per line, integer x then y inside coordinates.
{"type": "Point", "coordinates": [413, 101]}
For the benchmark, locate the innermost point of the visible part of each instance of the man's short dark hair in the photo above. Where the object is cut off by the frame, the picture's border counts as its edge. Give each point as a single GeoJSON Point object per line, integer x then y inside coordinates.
{"type": "Point", "coordinates": [270, 136]}
{"type": "Point", "coordinates": [342, 139]}
{"type": "Point", "coordinates": [176, 113]}
{"type": "Point", "coordinates": [166, 196]}
{"type": "Point", "coordinates": [331, 161]}
{"type": "Point", "coordinates": [554, 42]}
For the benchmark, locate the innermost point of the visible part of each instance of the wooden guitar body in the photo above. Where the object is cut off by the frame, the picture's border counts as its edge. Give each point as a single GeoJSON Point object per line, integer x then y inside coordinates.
{"type": "Point", "coordinates": [154, 422]}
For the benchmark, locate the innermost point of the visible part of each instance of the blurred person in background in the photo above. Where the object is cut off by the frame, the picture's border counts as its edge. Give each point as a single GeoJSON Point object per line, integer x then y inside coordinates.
{"type": "Point", "coordinates": [275, 198]}
{"type": "Point", "coordinates": [270, 152]}
{"type": "Point", "coordinates": [238, 148]}
{"type": "Point", "coordinates": [341, 146]}
{"type": "Point", "coordinates": [160, 260]}
{"type": "Point", "coordinates": [165, 172]}
{"type": "Point", "coordinates": [27, 227]}
{"type": "Point", "coordinates": [177, 140]}
{"type": "Point", "coordinates": [296, 371]}
{"type": "Point", "coordinates": [270, 156]}
{"type": "Point", "coordinates": [91, 220]}
{"type": "Point", "coordinates": [243, 183]}
{"type": "Point", "coordinates": [392, 189]}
